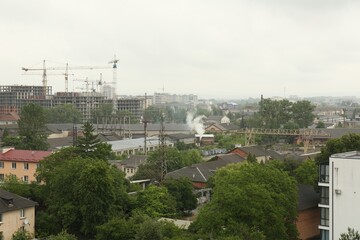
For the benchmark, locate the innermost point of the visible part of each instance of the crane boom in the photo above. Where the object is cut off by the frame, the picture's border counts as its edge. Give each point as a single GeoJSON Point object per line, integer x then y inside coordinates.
{"type": "Point", "coordinates": [44, 69]}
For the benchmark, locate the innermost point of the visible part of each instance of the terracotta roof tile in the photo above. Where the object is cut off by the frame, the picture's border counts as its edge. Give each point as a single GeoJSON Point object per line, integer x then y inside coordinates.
{"type": "Point", "coordinates": [24, 155]}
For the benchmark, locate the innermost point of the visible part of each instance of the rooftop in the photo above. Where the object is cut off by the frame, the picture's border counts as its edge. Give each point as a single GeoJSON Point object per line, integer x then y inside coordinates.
{"type": "Point", "coordinates": [10, 202]}
{"type": "Point", "coordinates": [24, 155]}
{"type": "Point", "coordinates": [350, 155]}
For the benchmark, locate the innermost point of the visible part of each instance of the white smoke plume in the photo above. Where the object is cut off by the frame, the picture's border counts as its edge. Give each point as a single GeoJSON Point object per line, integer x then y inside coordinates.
{"type": "Point", "coordinates": [196, 124]}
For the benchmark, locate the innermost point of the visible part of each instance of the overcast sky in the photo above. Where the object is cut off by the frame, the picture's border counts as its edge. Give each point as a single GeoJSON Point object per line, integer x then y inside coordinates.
{"type": "Point", "coordinates": [215, 49]}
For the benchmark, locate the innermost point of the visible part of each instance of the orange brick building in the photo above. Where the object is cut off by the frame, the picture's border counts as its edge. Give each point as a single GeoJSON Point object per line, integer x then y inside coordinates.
{"type": "Point", "coordinates": [21, 163]}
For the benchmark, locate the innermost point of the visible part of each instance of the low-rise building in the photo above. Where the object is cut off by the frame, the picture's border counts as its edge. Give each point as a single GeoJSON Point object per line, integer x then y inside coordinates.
{"type": "Point", "coordinates": [16, 213]}
{"type": "Point", "coordinates": [130, 165]}
{"type": "Point", "coordinates": [21, 163]}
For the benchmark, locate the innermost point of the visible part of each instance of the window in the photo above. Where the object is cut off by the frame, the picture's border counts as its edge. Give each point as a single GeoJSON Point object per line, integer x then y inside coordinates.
{"type": "Point", "coordinates": [13, 165]}
{"type": "Point", "coordinates": [132, 170]}
{"type": "Point", "coordinates": [324, 217]}
{"type": "Point", "coordinates": [2, 176]}
{"type": "Point", "coordinates": [26, 178]}
{"type": "Point", "coordinates": [22, 213]}
{"type": "Point", "coordinates": [324, 195]}
{"type": "Point", "coordinates": [26, 166]}
{"type": "Point", "coordinates": [37, 165]}
{"type": "Point", "coordinates": [1, 164]}
{"type": "Point", "coordinates": [1, 218]}
{"type": "Point", "coordinates": [324, 234]}
{"type": "Point", "coordinates": [324, 173]}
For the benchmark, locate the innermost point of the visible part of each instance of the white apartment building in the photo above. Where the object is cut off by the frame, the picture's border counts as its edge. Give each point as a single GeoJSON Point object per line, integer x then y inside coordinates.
{"type": "Point", "coordinates": [339, 195]}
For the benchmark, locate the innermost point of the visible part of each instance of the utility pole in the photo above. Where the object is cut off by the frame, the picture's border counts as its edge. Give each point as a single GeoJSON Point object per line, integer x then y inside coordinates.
{"type": "Point", "coordinates": [162, 146]}
{"type": "Point", "coordinates": [145, 122]}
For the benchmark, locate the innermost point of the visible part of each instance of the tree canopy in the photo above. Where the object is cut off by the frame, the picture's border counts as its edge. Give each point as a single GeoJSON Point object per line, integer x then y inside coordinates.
{"type": "Point", "coordinates": [89, 145]}
{"type": "Point", "coordinates": [268, 203]}
{"type": "Point", "coordinates": [82, 193]}
{"type": "Point", "coordinates": [182, 191]}
{"type": "Point", "coordinates": [32, 129]}
{"type": "Point", "coordinates": [66, 113]}
{"type": "Point", "coordinates": [349, 142]}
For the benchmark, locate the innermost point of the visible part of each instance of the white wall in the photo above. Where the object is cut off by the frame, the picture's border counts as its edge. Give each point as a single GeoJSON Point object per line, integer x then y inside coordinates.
{"type": "Point", "coordinates": [345, 206]}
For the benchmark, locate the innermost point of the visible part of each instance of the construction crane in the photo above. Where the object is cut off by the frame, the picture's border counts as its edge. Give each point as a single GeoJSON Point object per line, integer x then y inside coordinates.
{"type": "Point", "coordinates": [44, 70]}
{"type": "Point", "coordinates": [97, 82]}
{"type": "Point", "coordinates": [114, 82]}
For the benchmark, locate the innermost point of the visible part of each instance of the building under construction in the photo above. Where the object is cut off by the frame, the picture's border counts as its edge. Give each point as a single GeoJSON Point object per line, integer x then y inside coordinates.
{"type": "Point", "coordinates": [13, 98]}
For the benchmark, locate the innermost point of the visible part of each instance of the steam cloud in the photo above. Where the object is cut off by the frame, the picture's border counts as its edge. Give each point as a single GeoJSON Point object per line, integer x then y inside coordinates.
{"type": "Point", "coordinates": [196, 124]}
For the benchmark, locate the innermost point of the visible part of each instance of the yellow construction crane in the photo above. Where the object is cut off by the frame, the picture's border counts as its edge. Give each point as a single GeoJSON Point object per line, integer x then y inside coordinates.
{"type": "Point", "coordinates": [44, 70]}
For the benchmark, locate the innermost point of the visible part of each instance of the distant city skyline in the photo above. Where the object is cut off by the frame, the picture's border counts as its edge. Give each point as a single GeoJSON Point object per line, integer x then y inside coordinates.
{"type": "Point", "coordinates": [232, 49]}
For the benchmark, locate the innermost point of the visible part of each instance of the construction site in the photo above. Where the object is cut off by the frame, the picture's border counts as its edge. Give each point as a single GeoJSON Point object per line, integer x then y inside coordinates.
{"type": "Point", "coordinates": [93, 94]}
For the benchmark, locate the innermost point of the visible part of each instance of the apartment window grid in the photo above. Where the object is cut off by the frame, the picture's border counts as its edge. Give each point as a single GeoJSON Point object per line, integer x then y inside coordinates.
{"type": "Point", "coordinates": [324, 216]}
{"type": "Point", "coordinates": [324, 173]}
{"type": "Point", "coordinates": [324, 234]}
{"type": "Point", "coordinates": [324, 195]}
{"type": "Point", "coordinates": [13, 165]}
{"type": "Point", "coordinates": [26, 166]}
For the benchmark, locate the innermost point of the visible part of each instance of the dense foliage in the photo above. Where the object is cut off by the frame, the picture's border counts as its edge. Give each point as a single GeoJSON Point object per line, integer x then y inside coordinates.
{"type": "Point", "coordinates": [32, 129]}
{"type": "Point", "coordinates": [257, 198]}
{"type": "Point", "coordinates": [349, 142]}
{"type": "Point", "coordinates": [65, 113]}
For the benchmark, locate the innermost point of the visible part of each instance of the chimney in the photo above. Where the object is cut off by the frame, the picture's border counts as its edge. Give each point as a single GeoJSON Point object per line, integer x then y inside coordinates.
{"type": "Point", "coordinates": [5, 150]}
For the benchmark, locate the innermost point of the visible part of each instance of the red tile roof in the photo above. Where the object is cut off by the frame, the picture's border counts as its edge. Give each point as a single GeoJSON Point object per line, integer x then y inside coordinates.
{"type": "Point", "coordinates": [16, 155]}
{"type": "Point", "coordinates": [11, 116]}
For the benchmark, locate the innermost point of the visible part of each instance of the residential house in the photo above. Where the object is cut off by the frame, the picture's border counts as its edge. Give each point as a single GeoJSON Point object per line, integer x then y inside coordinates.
{"type": "Point", "coordinates": [308, 218]}
{"type": "Point", "coordinates": [21, 163]}
{"type": "Point", "coordinates": [339, 183]}
{"type": "Point", "coordinates": [261, 154]}
{"type": "Point", "coordinates": [216, 119]}
{"type": "Point", "coordinates": [16, 213]}
{"type": "Point", "coordinates": [221, 127]}
{"type": "Point", "coordinates": [9, 118]}
{"type": "Point", "coordinates": [200, 173]}
{"type": "Point", "coordinates": [130, 165]}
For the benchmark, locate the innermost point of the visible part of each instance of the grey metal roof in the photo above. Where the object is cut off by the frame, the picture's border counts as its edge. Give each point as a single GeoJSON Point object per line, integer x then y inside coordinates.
{"type": "Point", "coordinates": [10, 202]}
{"type": "Point", "coordinates": [307, 197]}
{"type": "Point", "coordinates": [134, 143]}
{"type": "Point", "coordinates": [201, 172]}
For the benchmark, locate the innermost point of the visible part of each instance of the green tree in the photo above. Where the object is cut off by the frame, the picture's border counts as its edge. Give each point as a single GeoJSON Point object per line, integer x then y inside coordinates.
{"type": "Point", "coordinates": [320, 124]}
{"type": "Point", "coordinates": [21, 235]}
{"type": "Point", "coordinates": [11, 141]}
{"type": "Point", "coordinates": [271, 203]}
{"type": "Point", "coordinates": [274, 113]}
{"type": "Point", "coordinates": [66, 113]}
{"type": "Point", "coordinates": [350, 235]}
{"type": "Point", "coordinates": [63, 235]}
{"type": "Point", "coordinates": [153, 114]}
{"type": "Point", "coordinates": [117, 228]}
{"type": "Point", "coordinates": [103, 111]}
{"type": "Point", "coordinates": [82, 193]}
{"type": "Point", "coordinates": [302, 113]}
{"type": "Point", "coordinates": [307, 172]}
{"type": "Point", "coordinates": [32, 129]}
{"type": "Point", "coordinates": [155, 202]}
{"type": "Point", "coordinates": [349, 142]}
{"type": "Point", "coordinates": [251, 158]}
{"type": "Point", "coordinates": [90, 146]}
{"type": "Point", "coordinates": [182, 190]}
